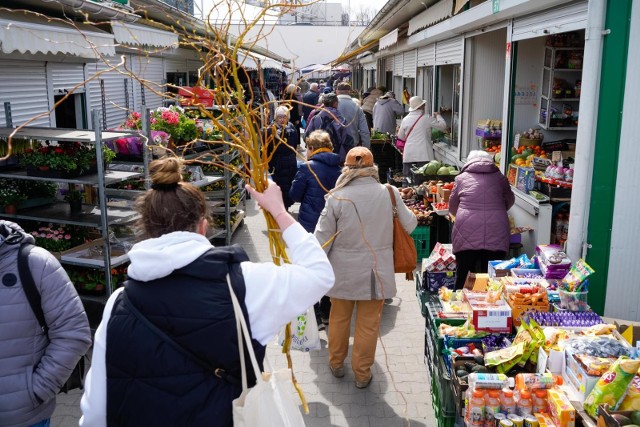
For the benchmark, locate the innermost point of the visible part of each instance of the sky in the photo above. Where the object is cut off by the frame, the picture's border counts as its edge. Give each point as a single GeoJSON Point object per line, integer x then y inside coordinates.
{"type": "Point", "coordinates": [356, 4]}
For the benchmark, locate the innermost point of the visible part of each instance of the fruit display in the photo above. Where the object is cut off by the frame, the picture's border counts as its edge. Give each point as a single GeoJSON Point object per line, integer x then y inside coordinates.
{"type": "Point", "coordinates": [416, 205]}
{"type": "Point", "coordinates": [434, 167]}
{"type": "Point", "coordinates": [523, 156]}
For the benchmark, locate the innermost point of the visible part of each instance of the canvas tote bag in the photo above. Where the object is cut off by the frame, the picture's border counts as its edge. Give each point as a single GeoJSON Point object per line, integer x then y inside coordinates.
{"type": "Point", "coordinates": [405, 256]}
{"type": "Point", "coordinates": [270, 402]}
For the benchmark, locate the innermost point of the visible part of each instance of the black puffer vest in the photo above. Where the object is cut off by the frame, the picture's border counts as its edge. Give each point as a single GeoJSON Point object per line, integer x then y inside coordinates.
{"type": "Point", "coordinates": [149, 383]}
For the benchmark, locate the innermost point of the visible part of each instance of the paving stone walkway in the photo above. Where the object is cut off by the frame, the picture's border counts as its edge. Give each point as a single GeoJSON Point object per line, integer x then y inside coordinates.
{"type": "Point", "coordinates": [399, 394]}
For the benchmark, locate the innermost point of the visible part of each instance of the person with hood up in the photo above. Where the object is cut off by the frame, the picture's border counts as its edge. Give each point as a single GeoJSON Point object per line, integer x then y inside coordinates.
{"type": "Point", "coordinates": [166, 351]}
{"type": "Point", "coordinates": [36, 364]}
{"type": "Point", "coordinates": [479, 201]}
{"type": "Point", "coordinates": [385, 111]}
{"type": "Point", "coordinates": [356, 227]}
{"type": "Point", "coordinates": [369, 101]}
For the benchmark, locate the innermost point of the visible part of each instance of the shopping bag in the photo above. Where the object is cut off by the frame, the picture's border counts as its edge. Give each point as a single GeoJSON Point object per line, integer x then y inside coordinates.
{"type": "Point", "coordinates": [304, 332]}
{"type": "Point", "coordinates": [270, 402]}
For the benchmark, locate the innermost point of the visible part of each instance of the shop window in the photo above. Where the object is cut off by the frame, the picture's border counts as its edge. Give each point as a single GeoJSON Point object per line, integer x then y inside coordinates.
{"type": "Point", "coordinates": [424, 87]}
{"type": "Point", "coordinates": [448, 101]}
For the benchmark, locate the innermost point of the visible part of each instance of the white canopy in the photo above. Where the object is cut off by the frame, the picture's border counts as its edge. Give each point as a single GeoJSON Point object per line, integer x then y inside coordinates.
{"type": "Point", "coordinates": [254, 61]}
{"type": "Point", "coordinates": [132, 34]}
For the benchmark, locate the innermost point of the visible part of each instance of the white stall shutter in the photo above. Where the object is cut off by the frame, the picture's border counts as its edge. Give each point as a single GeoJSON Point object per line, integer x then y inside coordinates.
{"type": "Point", "coordinates": [66, 75]}
{"type": "Point", "coordinates": [388, 63]}
{"type": "Point", "coordinates": [150, 70]}
{"type": "Point", "coordinates": [427, 55]}
{"type": "Point", "coordinates": [398, 65]}
{"type": "Point", "coordinates": [560, 19]}
{"type": "Point", "coordinates": [449, 51]}
{"type": "Point", "coordinates": [115, 103]}
{"type": "Point", "coordinates": [175, 65]}
{"type": "Point", "coordinates": [24, 84]}
{"type": "Point", "coordinates": [410, 64]}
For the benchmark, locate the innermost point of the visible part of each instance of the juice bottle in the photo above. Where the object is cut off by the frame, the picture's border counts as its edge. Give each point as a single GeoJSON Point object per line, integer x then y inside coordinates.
{"type": "Point", "coordinates": [507, 403]}
{"type": "Point", "coordinates": [491, 407]}
{"type": "Point", "coordinates": [524, 404]}
{"type": "Point", "coordinates": [540, 401]}
{"type": "Point", "coordinates": [476, 410]}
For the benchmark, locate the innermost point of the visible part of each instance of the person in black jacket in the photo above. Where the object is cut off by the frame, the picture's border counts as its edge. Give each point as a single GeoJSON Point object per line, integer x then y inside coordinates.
{"type": "Point", "coordinates": [314, 178]}
{"type": "Point", "coordinates": [282, 140]}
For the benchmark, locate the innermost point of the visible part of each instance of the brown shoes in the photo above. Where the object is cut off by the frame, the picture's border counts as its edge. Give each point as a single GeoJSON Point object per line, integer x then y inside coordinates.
{"type": "Point", "coordinates": [364, 384]}
{"type": "Point", "coordinates": [337, 372]}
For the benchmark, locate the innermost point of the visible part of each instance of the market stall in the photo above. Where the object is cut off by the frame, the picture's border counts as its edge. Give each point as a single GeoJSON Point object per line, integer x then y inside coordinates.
{"type": "Point", "coordinates": [520, 346]}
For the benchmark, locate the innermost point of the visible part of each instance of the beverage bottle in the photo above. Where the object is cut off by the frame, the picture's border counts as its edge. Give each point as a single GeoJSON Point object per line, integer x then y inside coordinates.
{"type": "Point", "coordinates": [540, 401]}
{"type": "Point", "coordinates": [491, 407]}
{"type": "Point", "coordinates": [535, 381]}
{"type": "Point", "coordinates": [525, 404]}
{"type": "Point", "coordinates": [476, 409]}
{"type": "Point", "coordinates": [507, 403]}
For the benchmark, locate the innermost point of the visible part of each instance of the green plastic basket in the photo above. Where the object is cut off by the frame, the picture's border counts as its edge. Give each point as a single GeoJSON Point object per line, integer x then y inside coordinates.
{"type": "Point", "coordinates": [421, 239]}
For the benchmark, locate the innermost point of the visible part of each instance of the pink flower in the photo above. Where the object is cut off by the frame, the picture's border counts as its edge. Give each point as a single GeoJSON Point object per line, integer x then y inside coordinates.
{"type": "Point", "coordinates": [67, 236]}
{"type": "Point", "coordinates": [153, 120]}
{"type": "Point", "coordinates": [34, 233]}
{"type": "Point", "coordinates": [49, 236]}
{"type": "Point", "coordinates": [56, 232]}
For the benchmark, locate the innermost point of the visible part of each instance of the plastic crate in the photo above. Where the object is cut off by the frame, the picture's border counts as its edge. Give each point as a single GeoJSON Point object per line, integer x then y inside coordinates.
{"type": "Point", "coordinates": [422, 296]}
{"type": "Point", "coordinates": [442, 392]}
{"type": "Point", "coordinates": [436, 280]}
{"type": "Point", "coordinates": [421, 239]}
{"type": "Point", "coordinates": [453, 343]}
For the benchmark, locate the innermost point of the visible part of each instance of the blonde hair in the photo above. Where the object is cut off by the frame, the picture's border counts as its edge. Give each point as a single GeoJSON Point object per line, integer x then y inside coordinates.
{"type": "Point", "coordinates": [319, 139]}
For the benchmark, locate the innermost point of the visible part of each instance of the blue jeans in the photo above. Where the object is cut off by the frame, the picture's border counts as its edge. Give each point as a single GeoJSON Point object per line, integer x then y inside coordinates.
{"type": "Point", "coordinates": [43, 423]}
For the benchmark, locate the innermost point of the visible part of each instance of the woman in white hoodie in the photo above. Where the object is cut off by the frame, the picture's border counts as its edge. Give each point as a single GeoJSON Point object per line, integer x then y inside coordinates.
{"type": "Point", "coordinates": [166, 352]}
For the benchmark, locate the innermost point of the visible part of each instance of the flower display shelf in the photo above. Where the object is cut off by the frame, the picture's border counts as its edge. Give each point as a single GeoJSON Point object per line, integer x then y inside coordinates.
{"type": "Point", "coordinates": [90, 254]}
{"type": "Point", "coordinates": [57, 173]}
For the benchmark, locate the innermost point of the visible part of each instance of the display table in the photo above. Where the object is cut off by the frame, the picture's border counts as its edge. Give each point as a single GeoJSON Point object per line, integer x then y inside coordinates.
{"type": "Point", "coordinates": [386, 156]}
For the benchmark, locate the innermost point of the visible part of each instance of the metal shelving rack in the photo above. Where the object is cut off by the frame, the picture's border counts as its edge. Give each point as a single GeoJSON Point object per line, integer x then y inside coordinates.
{"type": "Point", "coordinates": [100, 216]}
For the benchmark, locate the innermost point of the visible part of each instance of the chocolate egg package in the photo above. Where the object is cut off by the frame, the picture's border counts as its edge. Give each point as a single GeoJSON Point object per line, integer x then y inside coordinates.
{"type": "Point", "coordinates": [612, 386]}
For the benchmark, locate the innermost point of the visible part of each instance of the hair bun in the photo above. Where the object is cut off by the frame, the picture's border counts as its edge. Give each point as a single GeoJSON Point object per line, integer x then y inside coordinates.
{"type": "Point", "coordinates": [166, 171]}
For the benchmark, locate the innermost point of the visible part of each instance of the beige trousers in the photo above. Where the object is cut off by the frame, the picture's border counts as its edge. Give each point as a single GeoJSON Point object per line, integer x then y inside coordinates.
{"type": "Point", "coordinates": [365, 337]}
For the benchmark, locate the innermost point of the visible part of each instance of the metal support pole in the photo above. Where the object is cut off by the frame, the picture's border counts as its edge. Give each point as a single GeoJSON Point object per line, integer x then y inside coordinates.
{"type": "Point", "coordinates": [102, 202]}
{"type": "Point", "coordinates": [146, 150]}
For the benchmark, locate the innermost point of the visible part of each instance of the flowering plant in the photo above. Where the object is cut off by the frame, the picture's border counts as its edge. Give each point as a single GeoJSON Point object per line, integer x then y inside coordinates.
{"type": "Point", "coordinates": [133, 121]}
{"type": "Point", "coordinates": [67, 156]}
{"type": "Point", "coordinates": [9, 193]}
{"type": "Point", "coordinates": [73, 195]}
{"type": "Point", "coordinates": [174, 122]}
{"type": "Point", "coordinates": [56, 238]}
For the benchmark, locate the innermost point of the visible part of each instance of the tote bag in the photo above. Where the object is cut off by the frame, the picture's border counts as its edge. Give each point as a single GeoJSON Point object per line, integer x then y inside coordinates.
{"type": "Point", "coordinates": [405, 256]}
{"type": "Point", "coordinates": [304, 332]}
{"type": "Point", "coordinates": [270, 402]}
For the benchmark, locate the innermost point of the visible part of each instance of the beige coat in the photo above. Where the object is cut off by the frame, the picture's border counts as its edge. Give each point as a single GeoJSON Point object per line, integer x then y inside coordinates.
{"type": "Point", "coordinates": [362, 252]}
{"type": "Point", "coordinates": [370, 101]}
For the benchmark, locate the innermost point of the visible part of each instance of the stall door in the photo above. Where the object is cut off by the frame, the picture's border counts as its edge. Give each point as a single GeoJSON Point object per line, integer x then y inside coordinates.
{"type": "Point", "coordinates": [68, 93]}
{"type": "Point", "coordinates": [149, 84]}
{"type": "Point", "coordinates": [449, 51]}
{"type": "Point", "coordinates": [427, 55]}
{"type": "Point", "coordinates": [111, 92]}
{"type": "Point", "coordinates": [410, 64]}
{"type": "Point", "coordinates": [24, 85]}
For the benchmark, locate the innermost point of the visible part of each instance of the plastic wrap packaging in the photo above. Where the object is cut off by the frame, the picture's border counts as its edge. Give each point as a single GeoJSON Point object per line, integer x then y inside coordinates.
{"type": "Point", "coordinates": [612, 386]}
{"type": "Point", "coordinates": [598, 346]}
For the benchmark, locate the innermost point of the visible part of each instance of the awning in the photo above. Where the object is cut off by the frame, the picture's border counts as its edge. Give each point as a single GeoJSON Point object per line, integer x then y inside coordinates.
{"type": "Point", "coordinates": [140, 35]}
{"type": "Point", "coordinates": [254, 61]}
{"type": "Point", "coordinates": [459, 5]}
{"type": "Point", "coordinates": [27, 32]}
{"type": "Point", "coordinates": [347, 56]}
{"type": "Point", "coordinates": [434, 14]}
{"type": "Point", "coordinates": [389, 40]}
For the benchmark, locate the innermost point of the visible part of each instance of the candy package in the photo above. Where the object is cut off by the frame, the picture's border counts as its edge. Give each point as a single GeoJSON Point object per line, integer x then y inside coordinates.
{"type": "Point", "coordinates": [578, 273]}
{"type": "Point", "coordinates": [598, 346]}
{"type": "Point", "coordinates": [612, 386]}
{"type": "Point", "coordinates": [524, 336]}
{"type": "Point", "coordinates": [505, 359]}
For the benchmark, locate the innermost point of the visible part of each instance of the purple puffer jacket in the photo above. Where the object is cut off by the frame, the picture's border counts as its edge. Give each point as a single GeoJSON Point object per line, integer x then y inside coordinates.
{"type": "Point", "coordinates": [479, 201]}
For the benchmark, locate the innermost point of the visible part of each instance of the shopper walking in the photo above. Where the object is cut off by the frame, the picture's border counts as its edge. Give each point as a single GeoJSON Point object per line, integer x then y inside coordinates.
{"type": "Point", "coordinates": [353, 116]}
{"type": "Point", "coordinates": [480, 201]}
{"type": "Point", "coordinates": [36, 363]}
{"type": "Point", "coordinates": [357, 228]}
{"type": "Point", "coordinates": [282, 142]}
{"type": "Point", "coordinates": [385, 111]}
{"type": "Point", "coordinates": [310, 99]}
{"type": "Point", "coordinates": [415, 130]}
{"type": "Point", "coordinates": [331, 121]}
{"type": "Point", "coordinates": [178, 283]}
{"type": "Point", "coordinates": [369, 101]}
{"type": "Point", "coordinates": [293, 99]}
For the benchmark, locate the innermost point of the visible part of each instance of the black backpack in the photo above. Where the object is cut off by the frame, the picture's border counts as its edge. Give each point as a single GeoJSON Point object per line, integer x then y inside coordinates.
{"type": "Point", "coordinates": [340, 138]}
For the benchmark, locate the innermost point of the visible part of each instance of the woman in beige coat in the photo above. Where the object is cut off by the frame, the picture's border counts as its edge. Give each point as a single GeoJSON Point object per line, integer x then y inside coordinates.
{"type": "Point", "coordinates": [357, 223]}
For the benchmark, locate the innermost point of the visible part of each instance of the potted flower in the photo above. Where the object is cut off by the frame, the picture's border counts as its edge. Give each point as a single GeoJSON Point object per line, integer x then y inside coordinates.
{"type": "Point", "coordinates": [174, 122]}
{"type": "Point", "coordinates": [10, 196]}
{"type": "Point", "coordinates": [64, 160]}
{"type": "Point", "coordinates": [74, 198]}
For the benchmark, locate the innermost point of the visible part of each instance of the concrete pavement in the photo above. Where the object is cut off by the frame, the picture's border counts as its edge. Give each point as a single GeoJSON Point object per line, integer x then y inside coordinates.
{"type": "Point", "coordinates": [399, 394]}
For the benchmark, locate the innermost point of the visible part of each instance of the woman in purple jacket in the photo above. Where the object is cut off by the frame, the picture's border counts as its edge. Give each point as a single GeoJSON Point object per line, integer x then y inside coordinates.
{"type": "Point", "coordinates": [480, 201]}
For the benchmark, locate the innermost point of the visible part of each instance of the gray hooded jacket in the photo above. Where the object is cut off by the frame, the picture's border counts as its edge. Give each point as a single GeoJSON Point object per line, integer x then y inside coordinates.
{"type": "Point", "coordinates": [32, 367]}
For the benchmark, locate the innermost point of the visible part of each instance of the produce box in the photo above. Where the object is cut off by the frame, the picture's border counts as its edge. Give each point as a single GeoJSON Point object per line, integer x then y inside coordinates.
{"type": "Point", "coordinates": [518, 310]}
{"type": "Point", "coordinates": [553, 191]}
{"type": "Point", "coordinates": [512, 174]}
{"type": "Point", "coordinates": [609, 418]}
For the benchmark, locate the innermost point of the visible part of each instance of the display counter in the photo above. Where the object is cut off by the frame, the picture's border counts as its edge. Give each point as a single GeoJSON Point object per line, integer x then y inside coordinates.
{"type": "Point", "coordinates": [528, 212]}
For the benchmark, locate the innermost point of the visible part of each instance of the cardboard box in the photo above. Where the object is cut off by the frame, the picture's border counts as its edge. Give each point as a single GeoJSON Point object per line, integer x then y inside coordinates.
{"type": "Point", "coordinates": [494, 318]}
{"type": "Point", "coordinates": [562, 412]}
{"type": "Point", "coordinates": [493, 272]}
{"type": "Point", "coordinates": [578, 378]}
{"type": "Point", "coordinates": [630, 333]}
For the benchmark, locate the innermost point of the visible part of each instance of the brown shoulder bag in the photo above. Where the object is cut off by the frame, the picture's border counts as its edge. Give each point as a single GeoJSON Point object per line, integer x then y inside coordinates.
{"type": "Point", "coordinates": [405, 256]}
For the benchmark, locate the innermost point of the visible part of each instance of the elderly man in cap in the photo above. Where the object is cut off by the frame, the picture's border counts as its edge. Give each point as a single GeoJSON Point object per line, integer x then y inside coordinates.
{"type": "Point", "coordinates": [356, 231]}
{"type": "Point", "coordinates": [385, 111]}
{"type": "Point", "coordinates": [415, 130]}
{"type": "Point", "coordinates": [353, 115]}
